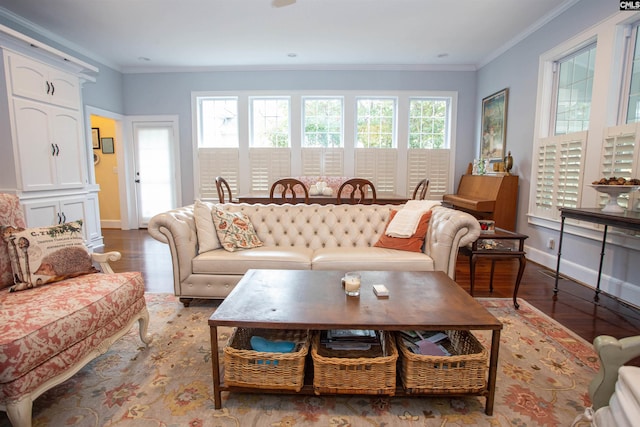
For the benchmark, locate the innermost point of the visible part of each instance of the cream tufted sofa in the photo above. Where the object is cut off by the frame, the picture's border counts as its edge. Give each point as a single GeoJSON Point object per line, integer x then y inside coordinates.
{"type": "Point", "coordinates": [303, 237]}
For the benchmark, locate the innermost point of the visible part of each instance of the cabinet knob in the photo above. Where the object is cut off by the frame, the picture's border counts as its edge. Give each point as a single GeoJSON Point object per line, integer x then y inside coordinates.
{"type": "Point", "coordinates": [48, 88]}
{"type": "Point", "coordinates": [53, 88]}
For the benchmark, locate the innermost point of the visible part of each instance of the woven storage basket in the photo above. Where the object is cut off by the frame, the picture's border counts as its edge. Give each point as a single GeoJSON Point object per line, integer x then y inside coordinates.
{"type": "Point", "coordinates": [354, 372]}
{"type": "Point", "coordinates": [464, 371]}
{"type": "Point", "coordinates": [249, 368]}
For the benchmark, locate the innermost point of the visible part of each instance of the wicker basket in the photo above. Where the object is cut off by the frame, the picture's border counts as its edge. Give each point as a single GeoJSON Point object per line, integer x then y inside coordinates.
{"type": "Point", "coordinates": [465, 371]}
{"type": "Point", "coordinates": [354, 372]}
{"type": "Point", "coordinates": [249, 368]}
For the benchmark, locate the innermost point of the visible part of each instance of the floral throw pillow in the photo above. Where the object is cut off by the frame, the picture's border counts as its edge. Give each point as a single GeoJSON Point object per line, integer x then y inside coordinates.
{"type": "Point", "coordinates": [46, 254]}
{"type": "Point", "coordinates": [234, 230]}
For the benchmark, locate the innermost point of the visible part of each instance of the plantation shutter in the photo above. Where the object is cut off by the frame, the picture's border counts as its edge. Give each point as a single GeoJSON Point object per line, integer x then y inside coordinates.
{"type": "Point", "coordinates": [267, 165]}
{"type": "Point", "coordinates": [378, 165]}
{"type": "Point", "coordinates": [432, 164]}
{"type": "Point", "coordinates": [322, 161]}
{"type": "Point", "coordinates": [213, 162]}
{"type": "Point", "coordinates": [560, 168]}
{"type": "Point", "coordinates": [620, 158]}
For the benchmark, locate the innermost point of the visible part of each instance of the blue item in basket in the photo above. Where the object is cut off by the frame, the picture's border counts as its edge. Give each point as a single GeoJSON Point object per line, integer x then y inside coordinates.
{"type": "Point", "coordinates": [268, 346]}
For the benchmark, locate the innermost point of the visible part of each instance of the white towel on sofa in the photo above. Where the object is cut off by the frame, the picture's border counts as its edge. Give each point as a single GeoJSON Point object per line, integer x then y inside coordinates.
{"type": "Point", "coordinates": [405, 223]}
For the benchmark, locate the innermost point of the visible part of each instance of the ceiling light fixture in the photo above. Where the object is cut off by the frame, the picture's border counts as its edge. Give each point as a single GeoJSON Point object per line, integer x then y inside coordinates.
{"type": "Point", "coordinates": [143, 59]}
{"type": "Point", "coordinates": [292, 55]}
{"type": "Point", "coordinates": [443, 55]}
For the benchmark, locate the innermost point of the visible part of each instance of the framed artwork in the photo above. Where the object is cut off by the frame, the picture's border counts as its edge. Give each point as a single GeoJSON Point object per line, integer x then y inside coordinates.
{"type": "Point", "coordinates": [95, 138]}
{"type": "Point", "coordinates": [107, 146]}
{"type": "Point", "coordinates": [494, 125]}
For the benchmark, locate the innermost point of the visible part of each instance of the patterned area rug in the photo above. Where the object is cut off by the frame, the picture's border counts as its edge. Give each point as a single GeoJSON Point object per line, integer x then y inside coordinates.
{"type": "Point", "coordinates": [544, 372]}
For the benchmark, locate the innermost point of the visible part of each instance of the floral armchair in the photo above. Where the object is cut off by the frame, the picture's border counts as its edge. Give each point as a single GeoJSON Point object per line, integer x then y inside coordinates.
{"type": "Point", "coordinates": [49, 332]}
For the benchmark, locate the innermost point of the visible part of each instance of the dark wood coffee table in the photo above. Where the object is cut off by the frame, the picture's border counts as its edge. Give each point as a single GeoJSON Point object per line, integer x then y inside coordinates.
{"type": "Point", "coordinates": [315, 300]}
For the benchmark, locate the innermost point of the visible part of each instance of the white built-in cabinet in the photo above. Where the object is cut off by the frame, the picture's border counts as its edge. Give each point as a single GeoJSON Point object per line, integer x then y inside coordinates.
{"type": "Point", "coordinates": [46, 162]}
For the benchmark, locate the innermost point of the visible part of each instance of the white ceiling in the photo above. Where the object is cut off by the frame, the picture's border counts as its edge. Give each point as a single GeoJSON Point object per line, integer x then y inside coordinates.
{"type": "Point", "coordinates": [160, 35]}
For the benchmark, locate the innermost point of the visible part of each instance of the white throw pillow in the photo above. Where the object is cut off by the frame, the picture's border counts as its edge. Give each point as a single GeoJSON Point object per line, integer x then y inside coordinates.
{"type": "Point", "coordinates": [206, 230]}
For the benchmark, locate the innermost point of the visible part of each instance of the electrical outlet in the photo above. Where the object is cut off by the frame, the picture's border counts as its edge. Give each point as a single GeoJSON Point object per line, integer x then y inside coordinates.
{"type": "Point", "coordinates": [551, 243]}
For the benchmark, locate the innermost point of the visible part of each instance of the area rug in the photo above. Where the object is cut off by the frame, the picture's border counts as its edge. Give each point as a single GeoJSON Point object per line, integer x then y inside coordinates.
{"type": "Point", "coordinates": [544, 372]}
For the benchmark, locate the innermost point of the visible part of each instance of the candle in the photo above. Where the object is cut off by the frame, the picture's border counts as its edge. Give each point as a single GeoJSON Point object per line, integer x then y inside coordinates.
{"type": "Point", "coordinates": [352, 284]}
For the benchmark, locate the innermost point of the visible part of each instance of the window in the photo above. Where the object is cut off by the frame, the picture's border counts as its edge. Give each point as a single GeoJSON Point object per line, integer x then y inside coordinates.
{"type": "Point", "coordinates": [376, 123]}
{"type": "Point", "coordinates": [428, 123]}
{"type": "Point", "coordinates": [322, 122]}
{"type": "Point", "coordinates": [218, 122]}
{"type": "Point", "coordinates": [574, 83]}
{"type": "Point", "coordinates": [253, 138]}
{"type": "Point", "coordinates": [270, 122]}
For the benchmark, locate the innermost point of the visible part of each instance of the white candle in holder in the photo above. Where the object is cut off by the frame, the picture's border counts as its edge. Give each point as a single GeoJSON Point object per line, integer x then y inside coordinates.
{"type": "Point", "coordinates": [352, 284]}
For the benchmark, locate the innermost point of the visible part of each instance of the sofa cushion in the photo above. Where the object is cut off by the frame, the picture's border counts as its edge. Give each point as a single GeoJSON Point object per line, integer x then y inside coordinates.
{"type": "Point", "coordinates": [413, 243]}
{"type": "Point", "coordinates": [38, 324]}
{"type": "Point", "coordinates": [47, 254]}
{"type": "Point", "coordinates": [359, 258]}
{"type": "Point", "coordinates": [268, 257]}
{"type": "Point", "coordinates": [235, 230]}
{"type": "Point", "coordinates": [206, 231]}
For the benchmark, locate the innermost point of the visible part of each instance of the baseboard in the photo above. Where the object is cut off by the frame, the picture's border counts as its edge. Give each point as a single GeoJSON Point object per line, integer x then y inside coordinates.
{"type": "Point", "coordinates": [624, 291]}
{"type": "Point", "coordinates": [111, 223]}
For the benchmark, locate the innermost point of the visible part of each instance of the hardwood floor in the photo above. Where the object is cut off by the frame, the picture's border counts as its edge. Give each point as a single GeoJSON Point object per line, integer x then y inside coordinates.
{"type": "Point", "coordinates": [574, 307]}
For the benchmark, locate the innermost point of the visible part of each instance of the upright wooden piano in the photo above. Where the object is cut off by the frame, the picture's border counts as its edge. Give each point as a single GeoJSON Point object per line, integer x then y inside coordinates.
{"type": "Point", "coordinates": [492, 197]}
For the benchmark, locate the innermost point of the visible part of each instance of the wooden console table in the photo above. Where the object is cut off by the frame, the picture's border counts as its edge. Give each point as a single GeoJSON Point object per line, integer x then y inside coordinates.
{"type": "Point", "coordinates": [498, 245]}
{"type": "Point", "coordinates": [627, 220]}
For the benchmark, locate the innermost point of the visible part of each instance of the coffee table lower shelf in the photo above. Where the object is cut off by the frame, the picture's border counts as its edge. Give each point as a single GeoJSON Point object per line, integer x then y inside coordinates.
{"type": "Point", "coordinates": [308, 388]}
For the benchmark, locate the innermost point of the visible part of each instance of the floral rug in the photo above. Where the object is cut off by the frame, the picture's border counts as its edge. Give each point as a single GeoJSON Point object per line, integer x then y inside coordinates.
{"type": "Point", "coordinates": [543, 374]}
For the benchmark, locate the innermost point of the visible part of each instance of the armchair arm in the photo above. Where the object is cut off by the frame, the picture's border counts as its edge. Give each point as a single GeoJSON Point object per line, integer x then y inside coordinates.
{"type": "Point", "coordinates": [613, 354]}
{"type": "Point", "coordinates": [104, 258]}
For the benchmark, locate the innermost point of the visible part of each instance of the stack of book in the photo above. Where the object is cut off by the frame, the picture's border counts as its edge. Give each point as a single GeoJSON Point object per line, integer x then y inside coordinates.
{"type": "Point", "coordinates": [350, 339]}
{"type": "Point", "coordinates": [428, 343]}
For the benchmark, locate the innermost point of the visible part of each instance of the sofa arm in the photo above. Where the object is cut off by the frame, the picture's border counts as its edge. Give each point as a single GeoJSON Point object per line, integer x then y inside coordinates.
{"type": "Point", "coordinates": [449, 229]}
{"type": "Point", "coordinates": [177, 228]}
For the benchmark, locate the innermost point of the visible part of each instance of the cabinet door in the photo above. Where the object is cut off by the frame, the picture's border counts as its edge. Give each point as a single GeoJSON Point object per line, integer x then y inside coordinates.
{"type": "Point", "coordinates": [35, 149]}
{"type": "Point", "coordinates": [28, 78]}
{"type": "Point", "coordinates": [65, 89]}
{"type": "Point", "coordinates": [66, 136]}
{"type": "Point", "coordinates": [42, 213]}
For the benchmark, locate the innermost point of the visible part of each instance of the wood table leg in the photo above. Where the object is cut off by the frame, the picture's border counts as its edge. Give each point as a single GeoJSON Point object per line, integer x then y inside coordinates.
{"type": "Point", "coordinates": [493, 371]}
{"type": "Point", "coordinates": [215, 368]}
{"type": "Point", "coordinates": [472, 272]}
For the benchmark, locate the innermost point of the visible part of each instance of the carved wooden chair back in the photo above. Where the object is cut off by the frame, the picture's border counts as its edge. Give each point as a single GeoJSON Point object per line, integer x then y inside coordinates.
{"type": "Point", "coordinates": [223, 190]}
{"type": "Point", "coordinates": [289, 190]}
{"type": "Point", "coordinates": [357, 191]}
{"type": "Point", "coordinates": [420, 192]}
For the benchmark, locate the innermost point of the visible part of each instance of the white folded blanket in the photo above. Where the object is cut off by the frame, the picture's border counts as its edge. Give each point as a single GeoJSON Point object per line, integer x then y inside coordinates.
{"type": "Point", "coordinates": [405, 223]}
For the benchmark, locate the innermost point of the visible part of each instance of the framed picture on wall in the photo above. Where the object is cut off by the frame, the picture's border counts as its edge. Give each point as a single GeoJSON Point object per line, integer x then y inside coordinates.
{"type": "Point", "coordinates": [107, 146]}
{"type": "Point", "coordinates": [95, 138]}
{"type": "Point", "coordinates": [494, 125]}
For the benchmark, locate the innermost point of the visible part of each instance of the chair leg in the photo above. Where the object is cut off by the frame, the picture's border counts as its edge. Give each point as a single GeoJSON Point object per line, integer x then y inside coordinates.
{"type": "Point", "coordinates": [143, 325]}
{"type": "Point", "coordinates": [19, 412]}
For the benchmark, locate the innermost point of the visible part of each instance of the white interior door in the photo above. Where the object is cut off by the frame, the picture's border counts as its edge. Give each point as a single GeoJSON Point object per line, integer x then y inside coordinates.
{"type": "Point", "coordinates": [155, 168]}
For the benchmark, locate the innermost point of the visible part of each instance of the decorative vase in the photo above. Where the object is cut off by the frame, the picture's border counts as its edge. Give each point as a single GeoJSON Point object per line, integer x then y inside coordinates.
{"type": "Point", "coordinates": [508, 163]}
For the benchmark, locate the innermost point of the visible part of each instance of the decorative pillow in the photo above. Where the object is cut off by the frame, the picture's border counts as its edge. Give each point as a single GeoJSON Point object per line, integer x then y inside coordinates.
{"type": "Point", "coordinates": [235, 230]}
{"type": "Point", "coordinates": [207, 236]}
{"type": "Point", "coordinates": [46, 254]}
{"type": "Point", "coordinates": [413, 243]}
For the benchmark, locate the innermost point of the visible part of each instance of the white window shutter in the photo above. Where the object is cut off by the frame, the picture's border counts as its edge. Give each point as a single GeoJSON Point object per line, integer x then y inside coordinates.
{"type": "Point", "coordinates": [620, 157]}
{"type": "Point", "coordinates": [432, 164]}
{"type": "Point", "coordinates": [268, 165]}
{"type": "Point", "coordinates": [321, 161]}
{"type": "Point", "coordinates": [378, 165]}
{"type": "Point", "coordinates": [560, 172]}
{"type": "Point", "coordinates": [215, 162]}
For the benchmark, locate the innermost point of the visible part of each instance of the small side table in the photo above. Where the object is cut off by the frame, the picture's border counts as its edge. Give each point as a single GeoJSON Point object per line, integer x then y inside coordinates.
{"type": "Point", "coordinates": [499, 245]}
